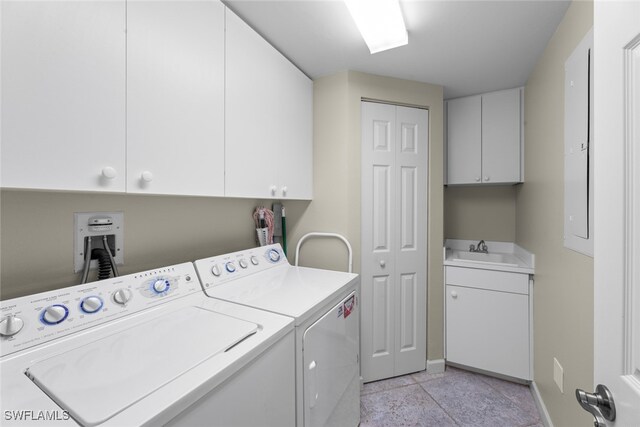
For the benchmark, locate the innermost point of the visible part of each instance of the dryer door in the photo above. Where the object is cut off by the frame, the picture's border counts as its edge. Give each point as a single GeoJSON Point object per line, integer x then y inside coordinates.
{"type": "Point", "coordinates": [331, 367]}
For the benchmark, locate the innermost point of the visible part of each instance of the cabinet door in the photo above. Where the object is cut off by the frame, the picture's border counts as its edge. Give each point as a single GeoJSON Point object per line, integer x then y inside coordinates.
{"type": "Point", "coordinates": [175, 97]}
{"type": "Point", "coordinates": [295, 155]}
{"type": "Point", "coordinates": [267, 119]}
{"type": "Point", "coordinates": [488, 330]}
{"type": "Point", "coordinates": [501, 136]}
{"type": "Point", "coordinates": [464, 147]}
{"type": "Point", "coordinates": [63, 95]}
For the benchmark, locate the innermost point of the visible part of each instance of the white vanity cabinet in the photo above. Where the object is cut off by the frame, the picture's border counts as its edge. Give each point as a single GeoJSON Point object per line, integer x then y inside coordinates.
{"type": "Point", "coordinates": [268, 119]}
{"type": "Point", "coordinates": [488, 320]}
{"type": "Point", "coordinates": [63, 95]}
{"type": "Point", "coordinates": [484, 138]}
{"type": "Point", "coordinates": [175, 97]}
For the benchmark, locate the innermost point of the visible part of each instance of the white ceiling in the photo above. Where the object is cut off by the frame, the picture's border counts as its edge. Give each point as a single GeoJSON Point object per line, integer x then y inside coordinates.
{"type": "Point", "coordinates": [468, 47]}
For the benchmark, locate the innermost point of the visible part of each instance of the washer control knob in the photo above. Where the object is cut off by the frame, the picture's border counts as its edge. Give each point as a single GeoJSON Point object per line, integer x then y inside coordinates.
{"type": "Point", "coordinates": [91, 304]}
{"type": "Point", "coordinates": [274, 255]}
{"type": "Point", "coordinates": [122, 296]}
{"type": "Point", "coordinates": [161, 285]}
{"type": "Point", "coordinates": [254, 260]}
{"type": "Point", "coordinates": [215, 270]}
{"type": "Point", "coordinates": [230, 266]}
{"type": "Point", "coordinates": [55, 314]}
{"type": "Point", "coordinates": [10, 325]}
{"type": "Point", "coordinates": [243, 263]}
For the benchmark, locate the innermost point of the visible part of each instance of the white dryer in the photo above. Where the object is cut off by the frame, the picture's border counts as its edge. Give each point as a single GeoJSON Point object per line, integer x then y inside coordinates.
{"type": "Point", "coordinates": [145, 349]}
{"type": "Point", "coordinates": [325, 307]}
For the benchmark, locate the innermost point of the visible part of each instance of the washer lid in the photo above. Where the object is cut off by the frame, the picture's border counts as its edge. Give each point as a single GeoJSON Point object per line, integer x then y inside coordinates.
{"type": "Point", "coordinates": [101, 379]}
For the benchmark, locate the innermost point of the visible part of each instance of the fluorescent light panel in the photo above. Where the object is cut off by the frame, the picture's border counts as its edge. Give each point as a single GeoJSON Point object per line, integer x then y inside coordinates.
{"type": "Point", "coordinates": [380, 22]}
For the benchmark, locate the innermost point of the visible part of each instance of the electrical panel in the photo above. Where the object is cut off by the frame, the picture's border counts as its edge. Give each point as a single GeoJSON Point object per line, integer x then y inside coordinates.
{"type": "Point", "coordinates": [578, 148]}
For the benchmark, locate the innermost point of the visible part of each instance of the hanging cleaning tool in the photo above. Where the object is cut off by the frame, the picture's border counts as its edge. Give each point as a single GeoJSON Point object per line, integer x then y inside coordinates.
{"type": "Point", "coordinates": [284, 232]}
{"type": "Point", "coordinates": [263, 219]}
{"type": "Point", "coordinates": [277, 223]}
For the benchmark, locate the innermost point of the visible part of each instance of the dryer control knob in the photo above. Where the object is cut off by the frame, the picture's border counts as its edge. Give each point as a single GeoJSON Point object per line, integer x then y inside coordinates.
{"type": "Point", "coordinates": [254, 260]}
{"type": "Point", "coordinates": [122, 296]}
{"type": "Point", "coordinates": [55, 314]}
{"type": "Point", "coordinates": [230, 266]}
{"type": "Point", "coordinates": [243, 263]}
{"type": "Point", "coordinates": [161, 285]}
{"type": "Point", "coordinates": [215, 270]}
{"type": "Point", "coordinates": [91, 304]}
{"type": "Point", "coordinates": [10, 325]}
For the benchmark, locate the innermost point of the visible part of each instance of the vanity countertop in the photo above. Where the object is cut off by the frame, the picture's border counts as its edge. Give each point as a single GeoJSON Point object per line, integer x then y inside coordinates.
{"type": "Point", "coordinates": [501, 256]}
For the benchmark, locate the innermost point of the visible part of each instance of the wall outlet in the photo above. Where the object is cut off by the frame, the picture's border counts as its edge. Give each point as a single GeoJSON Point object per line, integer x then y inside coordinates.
{"type": "Point", "coordinates": [558, 374]}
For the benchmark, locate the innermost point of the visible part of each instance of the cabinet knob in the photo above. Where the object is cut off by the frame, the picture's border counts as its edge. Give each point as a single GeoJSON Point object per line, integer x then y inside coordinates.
{"type": "Point", "coordinates": [454, 294]}
{"type": "Point", "coordinates": [146, 176]}
{"type": "Point", "coordinates": [109, 172]}
{"type": "Point", "coordinates": [284, 190]}
{"type": "Point", "coordinates": [273, 189]}
{"type": "Point", "coordinates": [477, 179]}
{"type": "Point", "coordinates": [486, 178]}
{"type": "Point", "coordinates": [382, 263]}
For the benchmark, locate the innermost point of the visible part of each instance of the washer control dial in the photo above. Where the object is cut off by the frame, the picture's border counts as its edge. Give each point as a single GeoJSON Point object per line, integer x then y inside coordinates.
{"type": "Point", "coordinates": [10, 325]}
{"type": "Point", "coordinates": [230, 266]}
{"type": "Point", "coordinates": [54, 314]}
{"type": "Point", "coordinates": [254, 260]}
{"type": "Point", "coordinates": [161, 285]}
{"type": "Point", "coordinates": [215, 270]}
{"type": "Point", "coordinates": [91, 304]}
{"type": "Point", "coordinates": [274, 255]}
{"type": "Point", "coordinates": [243, 263]}
{"type": "Point", "coordinates": [122, 296]}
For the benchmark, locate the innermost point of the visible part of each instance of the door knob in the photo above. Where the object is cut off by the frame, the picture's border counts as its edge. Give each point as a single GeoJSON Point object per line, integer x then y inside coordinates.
{"type": "Point", "coordinates": [599, 404]}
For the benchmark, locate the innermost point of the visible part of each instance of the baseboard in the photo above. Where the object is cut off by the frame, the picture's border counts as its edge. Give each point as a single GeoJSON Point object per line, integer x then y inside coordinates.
{"type": "Point", "coordinates": [435, 366]}
{"type": "Point", "coordinates": [542, 409]}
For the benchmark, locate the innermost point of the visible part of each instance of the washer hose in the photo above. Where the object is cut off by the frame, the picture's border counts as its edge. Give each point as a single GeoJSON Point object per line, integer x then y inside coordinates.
{"type": "Point", "coordinates": [104, 262]}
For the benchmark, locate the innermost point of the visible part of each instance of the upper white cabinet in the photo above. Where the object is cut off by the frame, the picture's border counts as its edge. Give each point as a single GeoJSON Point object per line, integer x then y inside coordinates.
{"type": "Point", "coordinates": [175, 97]}
{"type": "Point", "coordinates": [484, 138]}
{"type": "Point", "coordinates": [63, 95]}
{"type": "Point", "coordinates": [268, 119]}
{"type": "Point", "coordinates": [135, 96]}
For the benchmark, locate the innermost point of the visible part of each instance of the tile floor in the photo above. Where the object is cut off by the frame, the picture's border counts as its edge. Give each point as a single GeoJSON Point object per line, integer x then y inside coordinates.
{"type": "Point", "coordinates": [453, 398]}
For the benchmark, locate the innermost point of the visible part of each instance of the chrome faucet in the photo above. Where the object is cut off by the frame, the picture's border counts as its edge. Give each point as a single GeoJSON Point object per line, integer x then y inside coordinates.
{"type": "Point", "coordinates": [480, 247]}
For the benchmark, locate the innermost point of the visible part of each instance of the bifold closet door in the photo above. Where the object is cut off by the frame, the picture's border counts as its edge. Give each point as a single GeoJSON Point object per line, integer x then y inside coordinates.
{"type": "Point", "coordinates": [394, 239]}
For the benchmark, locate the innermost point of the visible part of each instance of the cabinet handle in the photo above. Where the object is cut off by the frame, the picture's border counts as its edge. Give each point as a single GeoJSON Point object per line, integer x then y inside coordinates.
{"type": "Point", "coordinates": [382, 263]}
{"type": "Point", "coordinates": [486, 178]}
{"type": "Point", "coordinates": [146, 176]}
{"type": "Point", "coordinates": [273, 189]}
{"type": "Point", "coordinates": [454, 294]}
{"type": "Point", "coordinates": [109, 172]}
{"type": "Point", "coordinates": [477, 179]}
{"type": "Point", "coordinates": [284, 191]}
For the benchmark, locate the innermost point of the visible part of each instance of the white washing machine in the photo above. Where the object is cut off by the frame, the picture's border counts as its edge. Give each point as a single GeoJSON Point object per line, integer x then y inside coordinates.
{"type": "Point", "coordinates": [325, 307]}
{"type": "Point", "coordinates": [144, 349]}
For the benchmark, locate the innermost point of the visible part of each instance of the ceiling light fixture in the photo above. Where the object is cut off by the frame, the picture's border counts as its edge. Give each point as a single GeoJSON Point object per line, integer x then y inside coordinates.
{"type": "Point", "coordinates": [380, 22]}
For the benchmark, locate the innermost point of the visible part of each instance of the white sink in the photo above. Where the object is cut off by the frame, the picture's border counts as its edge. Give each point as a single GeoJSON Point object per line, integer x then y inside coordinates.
{"type": "Point", "coordinates": [490, 258]}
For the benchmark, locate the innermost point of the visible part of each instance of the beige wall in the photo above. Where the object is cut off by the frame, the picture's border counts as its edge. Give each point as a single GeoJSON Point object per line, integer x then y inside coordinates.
{"type": "Point", "coordinates": [36, 248]}
{"type": "Point", "coordinates": [563, 290]}
{"type": "Point", "coordinates": [336, 203]}
{"type": "Point", "coordinates": [474, 213]}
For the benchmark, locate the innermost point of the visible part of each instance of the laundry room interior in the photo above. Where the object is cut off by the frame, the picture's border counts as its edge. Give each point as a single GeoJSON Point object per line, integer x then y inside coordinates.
{"type": "Point", "coordinates": [536, 297]}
